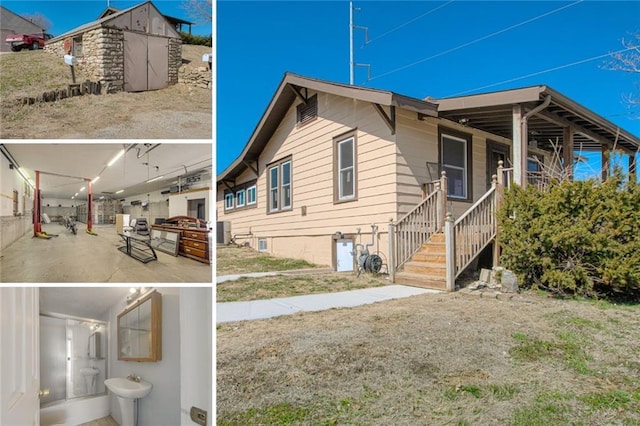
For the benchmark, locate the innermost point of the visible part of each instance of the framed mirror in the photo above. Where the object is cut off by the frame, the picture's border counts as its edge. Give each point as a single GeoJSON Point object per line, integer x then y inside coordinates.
{"type": "Point", "coordinates": [140, 330]}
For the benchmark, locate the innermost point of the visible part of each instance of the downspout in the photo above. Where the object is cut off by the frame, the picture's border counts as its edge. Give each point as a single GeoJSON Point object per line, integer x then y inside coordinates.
{"type": "Point", "coordinates": [537, 109]}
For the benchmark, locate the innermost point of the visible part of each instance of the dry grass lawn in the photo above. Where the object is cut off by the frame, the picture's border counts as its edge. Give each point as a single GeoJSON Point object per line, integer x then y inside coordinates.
{"type": "Point", "coordinates": [178, 112]}
{"type": "Point", "coordinates": [427, 360]}
{"type": "Point", "coordinates": [241, 260]}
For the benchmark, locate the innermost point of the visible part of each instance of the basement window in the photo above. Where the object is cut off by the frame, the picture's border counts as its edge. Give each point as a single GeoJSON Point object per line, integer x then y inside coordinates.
{"type": "Point", "coordinates": [262, 244]}
{"type": "Point", "coordinates": [15, 203]}
{"type": "Point", "coordinates": [307, 112]}
{"type": "Point", "coordinates": [455, 155]}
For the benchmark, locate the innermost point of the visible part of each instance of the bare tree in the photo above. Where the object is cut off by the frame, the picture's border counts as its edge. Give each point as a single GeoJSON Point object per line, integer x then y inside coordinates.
{"type": "Point", "coordinates": [628, 60]}
{"type": "Point", "coordinates": [38, 19]}
{"type": "Point", "coordinates": [201, 11]}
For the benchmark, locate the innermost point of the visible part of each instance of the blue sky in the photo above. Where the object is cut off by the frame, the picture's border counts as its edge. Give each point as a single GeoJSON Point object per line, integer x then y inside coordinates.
{"type": "Point", "coordinates": [257, 42]}
{"type": "Point", "coordinates": [66, 15]}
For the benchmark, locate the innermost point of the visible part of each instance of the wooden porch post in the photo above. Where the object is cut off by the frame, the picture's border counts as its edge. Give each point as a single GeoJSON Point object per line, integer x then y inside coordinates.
{"type": "Point", "coordinates": [606, 153]}
{"type": "Point", "coordinates": [499, 184]}
{"type": "Point", "coordinates": [450, 252]}
{"type": "Point", "coordinates": [567, 151]}
{"type": "Point", "coordinates": [519, 147]}
{"type": "Point", "coordinates": [632, 168]}
{"type": "Point", "coordinates": [392, 251]}
{"type": "Point", "coordinates": [442, 200]}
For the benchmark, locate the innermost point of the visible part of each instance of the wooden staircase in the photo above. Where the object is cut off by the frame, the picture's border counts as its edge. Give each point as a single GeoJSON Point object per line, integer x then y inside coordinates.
{"type": "Point", "coordinates": [427, 267]}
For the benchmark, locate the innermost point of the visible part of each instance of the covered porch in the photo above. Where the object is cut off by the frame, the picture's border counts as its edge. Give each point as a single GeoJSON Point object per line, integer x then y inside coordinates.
{"type": "Point", "coordinates": [539, 117]}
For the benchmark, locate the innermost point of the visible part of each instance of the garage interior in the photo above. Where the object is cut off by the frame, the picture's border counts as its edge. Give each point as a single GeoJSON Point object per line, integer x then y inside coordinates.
{"type": "Point", "coordinates": [106, 212]}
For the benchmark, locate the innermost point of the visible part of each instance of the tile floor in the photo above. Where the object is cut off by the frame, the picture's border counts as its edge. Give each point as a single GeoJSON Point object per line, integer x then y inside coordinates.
{"type": "Point", "coordinates": [105, 421]}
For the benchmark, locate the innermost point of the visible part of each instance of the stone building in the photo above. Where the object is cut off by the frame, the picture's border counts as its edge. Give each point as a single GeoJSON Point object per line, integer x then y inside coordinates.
{"type": "Point", "coordinates": [136, 49]}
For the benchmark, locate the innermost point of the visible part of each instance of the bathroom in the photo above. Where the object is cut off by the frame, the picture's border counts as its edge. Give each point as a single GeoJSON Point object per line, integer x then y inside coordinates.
{"type": "Point", "coordinates": [73, 339]}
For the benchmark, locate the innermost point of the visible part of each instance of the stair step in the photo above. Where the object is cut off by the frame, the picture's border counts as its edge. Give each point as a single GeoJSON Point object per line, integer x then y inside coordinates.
{"type": "Point", "coordinates": [426, 268]}
{"type": "Point", "coordinates": [423, 256]}
{"type": "Point", "coordinates": [432, 247]}
{"type": "Point", "coordinates": [437, 238]}
{"type": "Point", "coordinates": [421, 280]}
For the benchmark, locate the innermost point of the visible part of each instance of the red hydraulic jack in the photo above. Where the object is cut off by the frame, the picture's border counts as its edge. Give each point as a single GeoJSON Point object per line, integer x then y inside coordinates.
{"type": "Point", "coordinates": [37, 208]}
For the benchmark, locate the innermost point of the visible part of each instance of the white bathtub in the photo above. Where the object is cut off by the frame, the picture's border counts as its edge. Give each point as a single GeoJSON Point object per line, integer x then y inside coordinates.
{"type": "Point", "coordinates": [75, 411]}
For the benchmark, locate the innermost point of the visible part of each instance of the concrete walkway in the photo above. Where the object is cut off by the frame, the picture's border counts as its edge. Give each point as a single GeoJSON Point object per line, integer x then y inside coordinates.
{"type": "Point", "coordinates": [233, 277]}
{"type": "Point", "coordinates": [260, 309]}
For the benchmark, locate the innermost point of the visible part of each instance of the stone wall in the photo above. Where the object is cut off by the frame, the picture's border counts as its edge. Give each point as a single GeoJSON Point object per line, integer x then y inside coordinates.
{"type": "Point", "coordinates": [175, 59]}
{"type": "Point", "coordinates": [195, 76]}
{"type": "Point", "coordinates": [102, 57]}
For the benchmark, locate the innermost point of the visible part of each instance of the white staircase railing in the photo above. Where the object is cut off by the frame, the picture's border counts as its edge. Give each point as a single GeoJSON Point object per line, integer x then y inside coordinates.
{"type": "Point", "coordinates": [415, 228]}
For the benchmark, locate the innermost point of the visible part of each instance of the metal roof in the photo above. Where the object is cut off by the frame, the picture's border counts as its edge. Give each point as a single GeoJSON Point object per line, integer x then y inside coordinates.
{"type": "Point", "coordinates": [284, 98]}
{"type": "Point", "coordinates": [492, 112]}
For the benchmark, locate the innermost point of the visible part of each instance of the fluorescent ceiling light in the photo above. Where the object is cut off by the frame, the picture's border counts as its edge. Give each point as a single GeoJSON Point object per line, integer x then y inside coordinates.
{"type": "Point", "coordinates": [120, 154]}
{"type": "Point", "coordinates": [73, 198]}
{"type": "Point", "coordinates": [82, 189]}
{"type": "Point", "coordinates": [76, 194]}
{"type": "Point", "coordinates": [102, 197]}
{"type": "Point", "coordinates": [154, 179]}
{"type": "Point", "coordinates": [96, 179]}
{"type": "Point", "coordinates": [118, 192]}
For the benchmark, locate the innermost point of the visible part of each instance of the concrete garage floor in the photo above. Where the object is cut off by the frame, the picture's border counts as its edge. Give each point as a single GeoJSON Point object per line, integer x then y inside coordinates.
{"type": "Point", "coordinates": [85, 258]}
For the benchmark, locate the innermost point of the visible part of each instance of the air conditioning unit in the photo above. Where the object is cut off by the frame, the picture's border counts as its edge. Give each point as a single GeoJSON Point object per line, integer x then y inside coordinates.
{"type": "Point", "coordinates": [223, 232]}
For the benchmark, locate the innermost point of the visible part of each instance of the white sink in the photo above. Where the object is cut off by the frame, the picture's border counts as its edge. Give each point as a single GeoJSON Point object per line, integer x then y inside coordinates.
{"type": "Point", "coordinates": [127, 391]}
{"type": "Point", "coordinates": [126, 388]}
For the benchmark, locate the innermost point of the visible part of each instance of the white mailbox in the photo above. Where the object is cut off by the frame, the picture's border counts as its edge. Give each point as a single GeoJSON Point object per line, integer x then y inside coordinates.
{"type": "Point", "coordinates": [70, 60]}
{"type": "Point", "coordinates": [207, 57]}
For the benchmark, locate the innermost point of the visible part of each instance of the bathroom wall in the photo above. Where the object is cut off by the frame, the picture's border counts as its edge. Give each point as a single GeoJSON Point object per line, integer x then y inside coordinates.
{"type": "Point", "coordinates": [162, 405]}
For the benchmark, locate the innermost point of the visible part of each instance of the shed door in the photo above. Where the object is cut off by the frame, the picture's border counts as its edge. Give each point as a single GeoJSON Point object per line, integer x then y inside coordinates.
{"type": "Point", "coordinates": [146, 62]}
{"type": "Point", "coordinates": [158, 59]}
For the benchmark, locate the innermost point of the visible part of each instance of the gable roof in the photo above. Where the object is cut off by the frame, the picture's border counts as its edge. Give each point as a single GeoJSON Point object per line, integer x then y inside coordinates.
{"type": "Point", "coordinates": [111, 14]}
{"type": "Point", "coordinates": [13, 21]}
{"type": "Point", "coordinates": [492, 112]}
{"type": "Point", "coordinates": [284, 98]}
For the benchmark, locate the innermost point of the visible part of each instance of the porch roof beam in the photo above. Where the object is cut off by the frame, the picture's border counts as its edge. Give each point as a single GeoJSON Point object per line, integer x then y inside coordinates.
{"type": "Point", "coordinates": [389, 120]}
{"type": "Point", "coordinates": [563, 122]}
{"type": "Point", "coordinates": [299, 94]}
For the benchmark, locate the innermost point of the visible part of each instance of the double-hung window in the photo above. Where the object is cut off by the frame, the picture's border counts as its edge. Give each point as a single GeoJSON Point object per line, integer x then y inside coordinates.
{"type": "Point", "coordinates": [345, 188]}
{"type": "Point", "coordinates": [280, 186]}
{"type": "Point", "coordinates": [455, 148]}
{"type": "Point", "coordinates": [240, 198]}
{"type": "Point", "coordinates": [251, 195]}
{"type": "Point", "coordinates": [228, 201]}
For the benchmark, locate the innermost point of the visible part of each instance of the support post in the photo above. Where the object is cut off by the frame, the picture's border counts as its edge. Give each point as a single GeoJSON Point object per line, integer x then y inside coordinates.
{"type": "Point", "coordinates": [442, 205]}
{"type": "Point", "coordinates": [632, 168]}
{"type": "Point", "coordinates": [519, 146]}
{"type": "Point", "coordinates": [498, 183]}
{"type": "Point", "coordinates": [89, 212]}
{"type": "Point", "coordinates": [606, 153]}
{"type": "Point", "coordinates": [567, 151]}
{"type": "Point", "coordinates": [450, 261]}
{"type": "Point", "coordinates": [37, 226]}
{"type": "Point", "coordinates": [392, 251]}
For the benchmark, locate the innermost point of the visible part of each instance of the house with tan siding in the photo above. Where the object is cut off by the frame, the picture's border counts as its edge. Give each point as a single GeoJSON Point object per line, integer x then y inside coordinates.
{"type": "Point", "coordinates": [354, 177]}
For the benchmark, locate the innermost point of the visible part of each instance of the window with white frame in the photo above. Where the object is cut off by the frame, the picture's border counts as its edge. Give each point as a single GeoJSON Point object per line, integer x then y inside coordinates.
{"type": "Point", "coordinates": [345, 167]}
{"type": "Point", "coordinates": [228, 201]}
{"type": "Point", "coordinates": [240, 198]}
{"type": "Point", "coordinates": [251, 195]}
{"type": "Point", "coordinates": [455, 159]}
{"type": "Point", "coordinates": [280, 186]}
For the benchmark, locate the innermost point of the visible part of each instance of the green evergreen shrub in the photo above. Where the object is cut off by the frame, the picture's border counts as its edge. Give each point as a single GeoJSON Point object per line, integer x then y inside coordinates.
{"type": "Point", "coordinates": [578, 238]}
{"type": "Point", "coordinates": [196, 39]}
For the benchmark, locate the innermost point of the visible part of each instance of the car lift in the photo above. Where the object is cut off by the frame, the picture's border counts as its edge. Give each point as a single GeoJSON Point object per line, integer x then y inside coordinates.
{"type": "Point", "coordinates": [37, 207]}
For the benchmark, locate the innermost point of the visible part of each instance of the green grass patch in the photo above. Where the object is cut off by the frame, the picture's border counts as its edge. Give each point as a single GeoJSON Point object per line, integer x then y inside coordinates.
{"type": "Point", "coordinates": [503, 392]}
{"type": "Point", "coordinates": [280, 414]}
{"type": "Point", "coordinates": [540, 414]}
{"type": "Point", "coordinates": [569, 350]}
{"type": "Point", "coordinates": [614, 399]}
{"type": "Point", "coordinates": [262, 288]}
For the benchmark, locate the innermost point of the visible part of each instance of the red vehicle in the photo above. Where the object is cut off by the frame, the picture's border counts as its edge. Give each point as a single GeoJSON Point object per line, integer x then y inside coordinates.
{"type": "Point", "coordinates": [27, 41]}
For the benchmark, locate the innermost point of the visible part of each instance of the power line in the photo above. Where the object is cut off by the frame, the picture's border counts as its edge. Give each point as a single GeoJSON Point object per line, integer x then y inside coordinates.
{"type": "Point", "coordinates": [409, 22]}
{"type": "Point", "coordinates": [477, 40]}
{"type": "Point", "coordinates": [543, 71]}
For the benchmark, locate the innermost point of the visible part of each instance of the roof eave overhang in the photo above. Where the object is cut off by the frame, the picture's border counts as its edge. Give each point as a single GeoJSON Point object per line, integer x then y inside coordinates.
{"type": "Point", "coordinates": [285, 96]}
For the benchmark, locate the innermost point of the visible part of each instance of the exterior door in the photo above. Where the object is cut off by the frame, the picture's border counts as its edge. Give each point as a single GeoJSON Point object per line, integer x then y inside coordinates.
{"type": "Point", "coordinates": [19, 356]}
{"type": "Point", "coordinates": [146, 62]}
{"type": "Point", "coordinates": [496, 152]}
